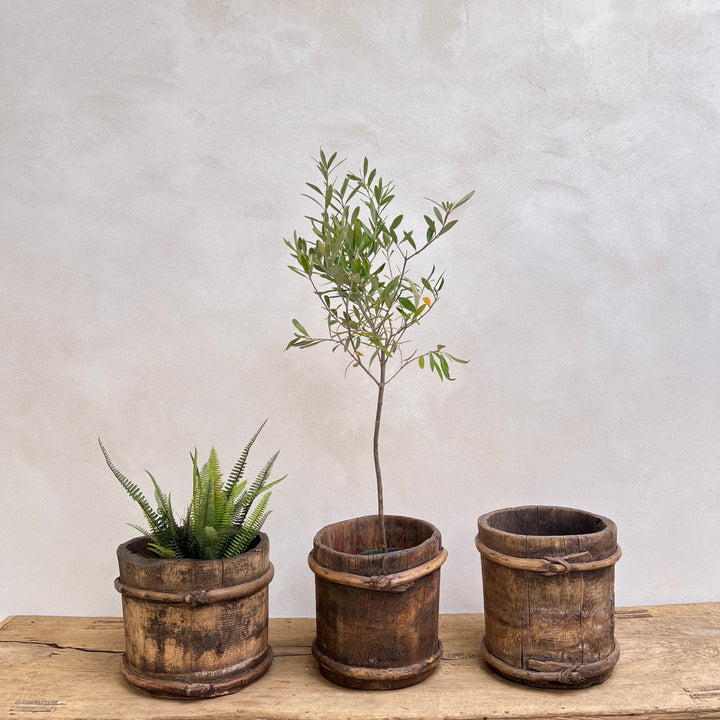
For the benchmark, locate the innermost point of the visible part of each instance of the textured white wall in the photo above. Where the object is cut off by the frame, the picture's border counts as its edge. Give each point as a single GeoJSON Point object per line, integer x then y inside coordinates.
{"type": "Point", "coordinates": [152, 157]}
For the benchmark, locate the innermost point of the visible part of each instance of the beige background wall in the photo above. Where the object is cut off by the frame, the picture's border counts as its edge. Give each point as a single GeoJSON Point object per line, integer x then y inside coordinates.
{"type": "Point", "coordinates": [152, 157]}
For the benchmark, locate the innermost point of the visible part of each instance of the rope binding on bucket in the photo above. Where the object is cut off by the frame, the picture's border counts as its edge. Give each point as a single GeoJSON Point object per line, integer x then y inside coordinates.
{"type": "Point", "coordinates": [549, 566]}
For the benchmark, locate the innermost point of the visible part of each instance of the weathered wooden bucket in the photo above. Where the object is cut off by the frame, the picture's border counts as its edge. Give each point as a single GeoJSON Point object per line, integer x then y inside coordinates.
{"type": "Point", "coordinates": [194, 628]}
{"type": "Point", "coordinates": [377, 614]}
{"type": "Point", "coordinates": [548, 586]}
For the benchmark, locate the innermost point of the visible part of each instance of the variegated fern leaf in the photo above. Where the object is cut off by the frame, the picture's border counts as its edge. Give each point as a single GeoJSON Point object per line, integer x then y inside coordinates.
{"type": "Point", "coordinates": [220, 522]}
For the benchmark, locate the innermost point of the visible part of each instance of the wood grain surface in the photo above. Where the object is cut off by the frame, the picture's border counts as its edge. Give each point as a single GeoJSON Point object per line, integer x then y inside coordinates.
{"type": "Point", "coordinates": [67, 668]}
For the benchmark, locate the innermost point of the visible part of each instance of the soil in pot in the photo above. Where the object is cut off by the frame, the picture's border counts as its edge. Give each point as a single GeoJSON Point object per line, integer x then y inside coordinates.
{"type": "Point", "coordinates": [377, 614]}
{"type": "Point", "coordinates": [548, 587]}
{"type": "Point", "coordinates": [194, 628]}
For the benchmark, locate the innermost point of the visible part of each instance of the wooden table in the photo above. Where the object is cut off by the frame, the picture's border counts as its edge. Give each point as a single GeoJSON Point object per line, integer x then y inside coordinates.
{"type": "Point", "coordinates": [68, 669]}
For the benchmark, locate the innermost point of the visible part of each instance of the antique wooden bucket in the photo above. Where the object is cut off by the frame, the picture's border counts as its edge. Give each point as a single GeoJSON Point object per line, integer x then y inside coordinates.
{"type": "Point", "coordinates": [377, 613]}
{"type": "Point", "coordinates": [548, 587]}
{"type": "Point", "coordinates": [194, 628]}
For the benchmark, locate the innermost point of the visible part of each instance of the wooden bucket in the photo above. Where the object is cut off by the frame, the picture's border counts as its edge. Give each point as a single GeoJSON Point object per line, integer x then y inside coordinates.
{"type": "Point", "coordinates": [377, 614]}
{"type": "Point", "coordinates": [548, 586]}
{"type": "Point", "coordinates": [194, 628]}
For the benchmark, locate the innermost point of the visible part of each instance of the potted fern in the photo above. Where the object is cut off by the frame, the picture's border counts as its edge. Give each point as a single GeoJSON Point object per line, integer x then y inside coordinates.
{"type": "Point", "coordinates": [377, 577]}
{"type": "Point", "coordinates": [195, 592]}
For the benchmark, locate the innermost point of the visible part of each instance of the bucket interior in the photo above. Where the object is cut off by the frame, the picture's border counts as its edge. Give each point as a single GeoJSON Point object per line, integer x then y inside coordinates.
{"type": "Point", "coordinates": [545, 521]}
{"type": "Point", "coordinates": [362, 535]}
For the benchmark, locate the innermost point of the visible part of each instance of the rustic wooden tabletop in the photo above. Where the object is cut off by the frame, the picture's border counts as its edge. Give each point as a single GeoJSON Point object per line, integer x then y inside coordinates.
{"type": "Point", "coordinates": [68, 669]}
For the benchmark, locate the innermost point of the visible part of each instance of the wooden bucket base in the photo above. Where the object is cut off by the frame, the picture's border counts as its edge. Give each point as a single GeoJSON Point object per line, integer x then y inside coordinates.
{"type": "Point", "coordinates": [178, 689]}
{"type": "Point", "coordinates": [554, 675]}
{"type": "Point", "coordinates": [367, 678]}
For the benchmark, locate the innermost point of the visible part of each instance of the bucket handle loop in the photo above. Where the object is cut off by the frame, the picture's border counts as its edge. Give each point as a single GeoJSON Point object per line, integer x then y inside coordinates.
{"type": "Point", "coordinates": [577, 562]}
{"type": "Point", "coordinates": [548, 671]}
{"type": "Point", "coordinates": [566, 673]}
{"type": "Point", "coordinates": [573, 673]}
{"type": "Point", "coordinates": [396, 582]}
{"type": "Point", "coordinates": [561, 565]}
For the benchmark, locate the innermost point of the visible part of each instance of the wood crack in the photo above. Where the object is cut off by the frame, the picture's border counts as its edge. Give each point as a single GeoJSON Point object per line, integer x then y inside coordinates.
{"type": "Point", "coordinates": [57, 646]}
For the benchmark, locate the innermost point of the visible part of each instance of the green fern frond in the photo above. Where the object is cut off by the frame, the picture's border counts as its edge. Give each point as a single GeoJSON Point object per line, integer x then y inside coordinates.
{"type": "Point", "coordinates": [239, 468]}
{"type": "Point", "coordinates": [163, 552]}
{"type": "Point", "coordinates": [253, 524]}
{"type": "Point", "coordinates": [219, 521]}
{"type": "Point", "coordinates": [194, 506]}
{"type": "Point", "coordinates": [210, 541]}
{"type": "Point", "coordinates": [160, 540]}
{"type": "Point", "coordinates": [237, 492]}
{"type": "Point", "coordinates": [228, 508]}
{"type": "Point", "coordinates": [262, 477]}
{"type": "Point", "coordinates": [243, 503]}
{"type": "Point", "coordinates": [219, 497]}
{"type": "Point", "coordinates": [144, 532]}
{"type": "Point", "coordinates": [249, 529]}
{"type": "Point", "coordinates": [207, 497]}
{"type": "Point", "coordinates": [132, 490]}
{"type": "Point", "coordinates": [165, 511]}
{"type": "Point", "coordinates": [203, 500]}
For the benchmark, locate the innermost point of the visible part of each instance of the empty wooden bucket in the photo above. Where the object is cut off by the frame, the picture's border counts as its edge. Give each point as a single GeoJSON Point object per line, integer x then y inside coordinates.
{"type": "Point", "coordinates": [548, 587]}
{"type": "Point", "coordinates": [194, 628]}
{"type": "Point", "coordinates": [377, 614]}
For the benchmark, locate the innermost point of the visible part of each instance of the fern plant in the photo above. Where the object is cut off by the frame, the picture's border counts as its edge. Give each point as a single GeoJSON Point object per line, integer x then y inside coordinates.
{"type": "Point", "coordinates": [220, 521]}
{"type": "Point", "coordinates": [358, 261]}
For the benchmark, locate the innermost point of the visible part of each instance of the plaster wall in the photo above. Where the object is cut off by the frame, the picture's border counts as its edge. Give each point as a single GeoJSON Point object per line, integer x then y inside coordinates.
{"type": "Point", "coordinates": [152, 158]}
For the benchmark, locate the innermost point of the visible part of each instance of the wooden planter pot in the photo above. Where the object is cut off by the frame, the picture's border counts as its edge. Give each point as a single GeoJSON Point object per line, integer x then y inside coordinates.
{"type": "Point", "coordinates": [377, 614]}
{"type": "Point", "coordinates": [194, 628]}
{"type": "Point", "coordinates": [548, 586]}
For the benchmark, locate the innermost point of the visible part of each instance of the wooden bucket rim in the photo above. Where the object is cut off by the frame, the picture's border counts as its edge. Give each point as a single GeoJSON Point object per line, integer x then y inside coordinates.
{"type": "Point", "coordinates": [127, 555]}
{"type": "Point", "coordinates": [433, 538]}
{"type": "Point", "coordinates": [609, 526]}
